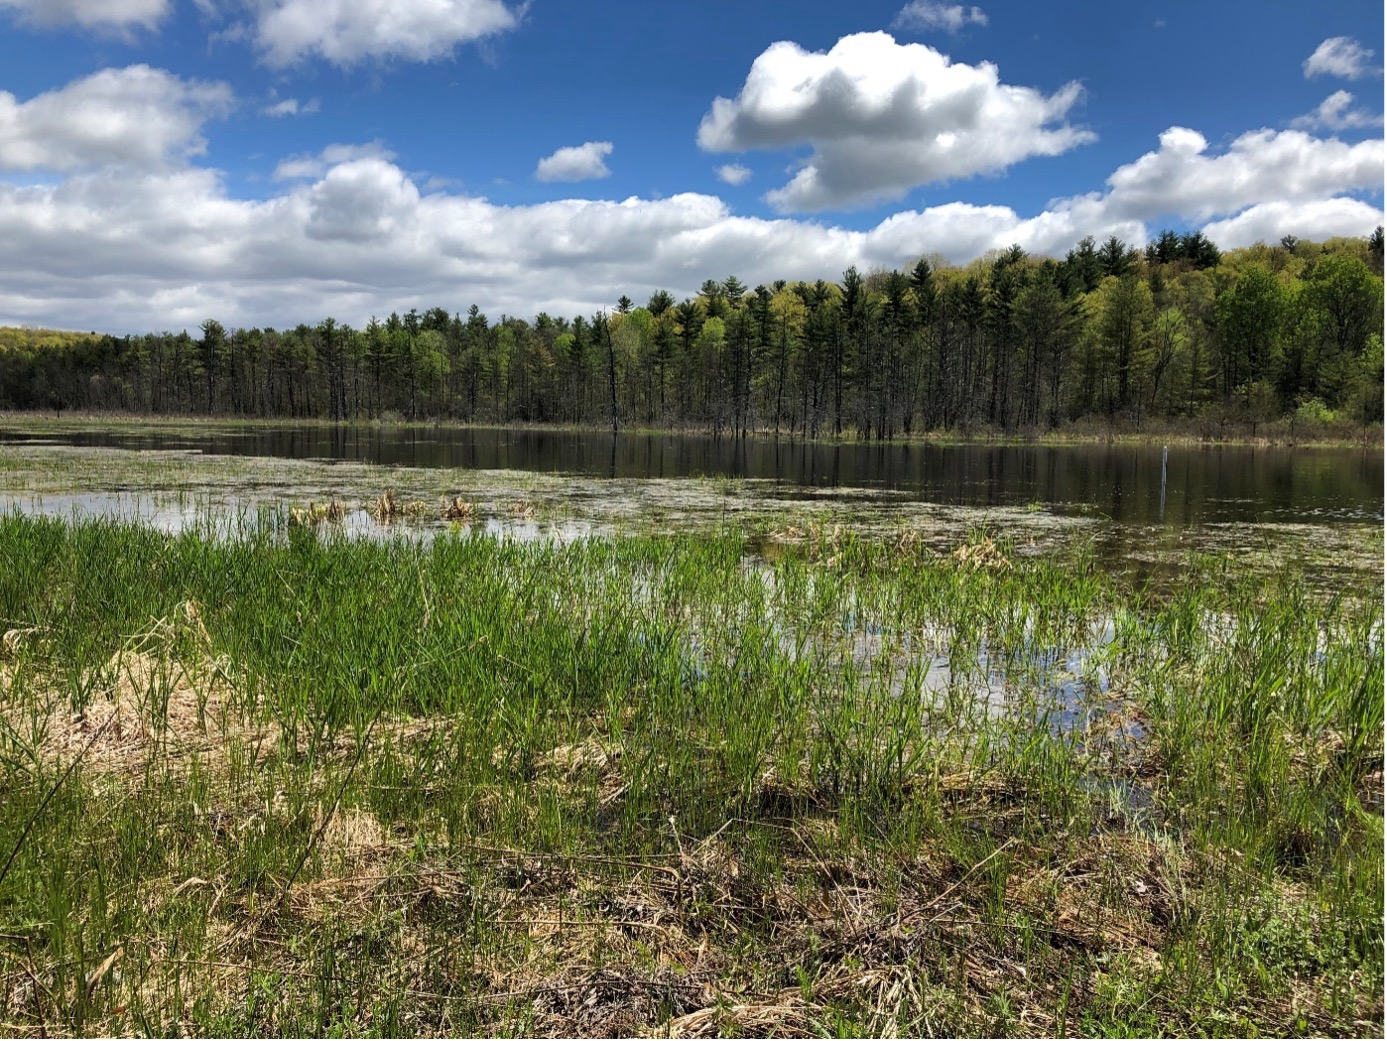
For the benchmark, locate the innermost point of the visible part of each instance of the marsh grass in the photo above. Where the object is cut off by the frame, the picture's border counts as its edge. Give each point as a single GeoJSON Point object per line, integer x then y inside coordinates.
{"type": "Point", "coordinates": [664, 784]}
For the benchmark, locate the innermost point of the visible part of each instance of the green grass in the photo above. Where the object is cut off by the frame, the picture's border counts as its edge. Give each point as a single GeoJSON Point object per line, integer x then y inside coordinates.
{"type": "Point", "coordinates": [472, 785]}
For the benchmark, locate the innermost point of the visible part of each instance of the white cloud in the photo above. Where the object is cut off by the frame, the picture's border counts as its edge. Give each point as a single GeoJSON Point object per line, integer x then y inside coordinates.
{"type": "Point", "coordinates": [131, 240]}
{"type": "Point", "coordinates": [122, 250]}
{"type": "Point", "coordinates": [291, 107]}
{"type": "Point", "coordinates": [1259, 166]}
{"type": "Point", "coordinates": [136, 116]}
{"type": "Point", "coordinates": [1317, 220]}
{"type": "Point", "coordinates": [91, 14]}
{"type": "Point", "coordinates": [577, 163]}
{"type": "Point", "coordinates": [932, 14]}
{"type": "Point", "coordinates": [1341, 56]}
{"type": "Point", "coordinates": [346, 32]}
{"type": "Point", "coordinates": [300, 167]}
{"type": "Point", "coordinates": [361, 201]}
{"type": "Point", "coordinates": [883, 118]}
{"type": "Point", "coordinates": [733, 174]}
{"type": "Point", "coordinates": [1334, 113]}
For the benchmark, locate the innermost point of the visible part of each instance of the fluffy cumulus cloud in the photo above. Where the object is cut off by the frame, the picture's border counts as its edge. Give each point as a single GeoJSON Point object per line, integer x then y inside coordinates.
{"type": "Point", "coordinates": [361, 201]}
{"type": "Point", "coordinates": [733, 174]}
{"type": "Point", "coordinates": [1261, 166]}
{"type": "Point", "coordinates": [932, 14]}
{"type": "Point", "coordinates": [1341, 56]}
{"type": "Point", "coordinates": [1319, 219]}
{"type": "Point", "coordinates": [91, 14]}
{"type": "Point", "coordinates": [585, 162]}
{"type": "Point", "coordinates": [1336, 112]}
{"type": "Point", "coordinates": [883, 118]}
{"type": "Point", "coordinates": [346, 32]}
{"type": "Point", "coordinates": [136, 116]}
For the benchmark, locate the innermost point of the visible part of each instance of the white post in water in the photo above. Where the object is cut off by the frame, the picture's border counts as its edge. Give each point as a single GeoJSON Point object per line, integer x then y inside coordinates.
{"type": "Point", "coordinates": [1165, 452]}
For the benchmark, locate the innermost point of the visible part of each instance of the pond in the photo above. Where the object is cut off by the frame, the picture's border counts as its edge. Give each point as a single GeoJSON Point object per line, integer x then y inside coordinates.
{"type": "Point", "coordinates": [1182, 486]}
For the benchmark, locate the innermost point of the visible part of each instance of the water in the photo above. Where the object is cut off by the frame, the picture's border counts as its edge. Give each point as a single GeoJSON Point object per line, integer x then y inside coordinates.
{"type": "Point", "coordinates": [1177, 488]}
{"type": "Point", "coordinates": [1143, 507]}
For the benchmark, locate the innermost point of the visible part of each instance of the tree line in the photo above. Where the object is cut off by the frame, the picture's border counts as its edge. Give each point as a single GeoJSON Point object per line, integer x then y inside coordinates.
{"type": "Point", "coordinates": [1011, 342]}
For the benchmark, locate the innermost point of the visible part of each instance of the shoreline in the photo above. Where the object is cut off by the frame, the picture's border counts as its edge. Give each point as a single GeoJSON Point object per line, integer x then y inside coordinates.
{"type": "Point", "coordinates": [1370, 439]}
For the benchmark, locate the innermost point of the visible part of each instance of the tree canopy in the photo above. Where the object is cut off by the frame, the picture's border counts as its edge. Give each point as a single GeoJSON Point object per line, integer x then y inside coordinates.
{"type": "Point", "coordinates": [1178, 330]}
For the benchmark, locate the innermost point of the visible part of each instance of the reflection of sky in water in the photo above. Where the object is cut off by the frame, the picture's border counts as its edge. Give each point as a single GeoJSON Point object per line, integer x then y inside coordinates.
{"type": "Point", "coordinates": [242, 514]}
{"type": "Point", "coordinates": [223, 493]}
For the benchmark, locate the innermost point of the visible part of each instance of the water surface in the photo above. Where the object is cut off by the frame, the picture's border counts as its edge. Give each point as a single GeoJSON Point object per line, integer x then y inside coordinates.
{"type": "Point", "coordinates": [1183, 486]}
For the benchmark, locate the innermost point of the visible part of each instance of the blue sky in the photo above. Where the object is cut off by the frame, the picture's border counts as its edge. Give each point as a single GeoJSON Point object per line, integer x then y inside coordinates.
{"type": "Point", "coordinates": [272, 161]}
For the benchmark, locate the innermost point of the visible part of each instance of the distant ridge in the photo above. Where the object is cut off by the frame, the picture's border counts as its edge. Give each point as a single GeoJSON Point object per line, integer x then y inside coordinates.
{"type": "Point", "coordinates": [14, 336]}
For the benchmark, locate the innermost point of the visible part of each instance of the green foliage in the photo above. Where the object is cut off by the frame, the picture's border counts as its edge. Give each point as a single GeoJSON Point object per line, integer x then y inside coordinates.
{"type": "Point", "coordinates": [1313, 412]}
{"type": "Point", "coordinates": [1012, 341]}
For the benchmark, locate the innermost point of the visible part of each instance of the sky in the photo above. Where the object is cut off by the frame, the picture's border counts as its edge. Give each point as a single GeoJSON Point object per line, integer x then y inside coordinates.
{"type": "Point", "coordinates": [270, 162]}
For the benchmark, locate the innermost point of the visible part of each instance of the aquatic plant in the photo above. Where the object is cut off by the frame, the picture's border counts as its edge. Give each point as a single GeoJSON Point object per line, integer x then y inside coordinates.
{"type": "Point", "coordinates": [291, 782]}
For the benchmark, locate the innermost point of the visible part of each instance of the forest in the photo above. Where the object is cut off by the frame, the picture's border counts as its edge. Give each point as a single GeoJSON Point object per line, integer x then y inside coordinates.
{"type": "Point", "coordinates": [1180, 332]}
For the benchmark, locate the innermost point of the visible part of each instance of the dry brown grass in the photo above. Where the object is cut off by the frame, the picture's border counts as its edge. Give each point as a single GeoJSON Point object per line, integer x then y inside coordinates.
{"type": "Point", "coordinates": [144, 704]}
{"type": "Point", "coordinates": [146, 700]}
{"type": "Point", "coordinates": [984, 553]}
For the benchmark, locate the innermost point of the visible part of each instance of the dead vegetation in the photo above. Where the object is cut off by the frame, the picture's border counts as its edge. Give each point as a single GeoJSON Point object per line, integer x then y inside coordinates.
{"type": "Point", "coordinates": [982, 553]}
{"type": "Point", "coordinates": [387, 507]}
{"type": "Point", "coordinates": [702, 944]}
{"type": "Point", "coordinates": [332, 512]}
{"type": "Point", "coordinates": [699, 941]}
{"type": "Point", "coordinates": [458, 510]}
{"type": "Point", "coordinates": [145, 701]}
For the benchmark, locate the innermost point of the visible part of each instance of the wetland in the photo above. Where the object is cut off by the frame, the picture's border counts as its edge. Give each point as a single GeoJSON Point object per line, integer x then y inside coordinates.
{"type": "Point", "coordinates": [685, 737]}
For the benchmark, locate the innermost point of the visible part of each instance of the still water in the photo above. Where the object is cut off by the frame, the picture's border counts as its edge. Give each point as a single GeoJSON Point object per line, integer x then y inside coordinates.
{"type": "Point", "coordinates": [1184, 486]}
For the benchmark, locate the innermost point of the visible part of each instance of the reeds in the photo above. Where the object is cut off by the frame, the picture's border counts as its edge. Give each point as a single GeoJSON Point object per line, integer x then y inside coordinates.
{"type": "Point", "coordinates": [386, 508]}
{"type": "Point", "coordinates": [661, 784]}
{"type": "Point", "coordinates": [331, 512]}
{"type": "Point", "coordinates": [456, 509]}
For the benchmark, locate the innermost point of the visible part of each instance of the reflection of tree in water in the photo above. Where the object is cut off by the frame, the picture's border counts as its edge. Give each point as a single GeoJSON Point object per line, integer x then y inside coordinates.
{"type": "Point", "coordinates": [1203, 485]}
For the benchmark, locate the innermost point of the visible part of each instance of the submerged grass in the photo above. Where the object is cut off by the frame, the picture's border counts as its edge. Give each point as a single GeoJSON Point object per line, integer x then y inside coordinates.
{"type": "Point", "coordinates": [662, 784]}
